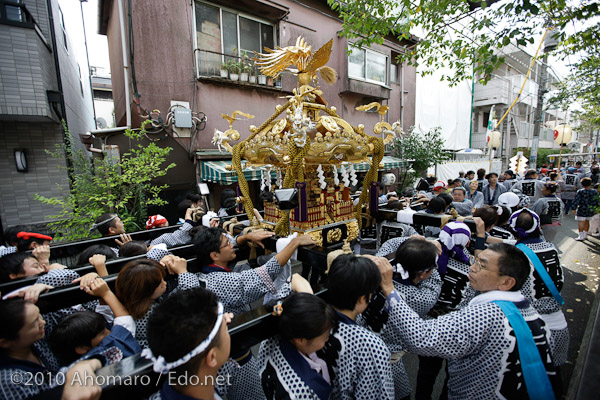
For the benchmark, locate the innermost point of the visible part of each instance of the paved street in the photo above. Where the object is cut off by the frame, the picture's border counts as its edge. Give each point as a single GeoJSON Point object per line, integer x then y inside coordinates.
{"type": "Point", "coordinates": [581, 261]}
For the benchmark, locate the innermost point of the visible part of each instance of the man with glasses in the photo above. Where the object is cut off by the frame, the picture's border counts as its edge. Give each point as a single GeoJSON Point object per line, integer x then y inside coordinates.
{"type": "Point", "coordinates": [238, 285]}
{"type": "Point", "coordinates": [479, 340]}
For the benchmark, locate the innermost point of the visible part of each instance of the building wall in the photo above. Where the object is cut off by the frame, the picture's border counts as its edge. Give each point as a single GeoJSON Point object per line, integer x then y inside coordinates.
{"type": "Point", "coordinates": [115, 54]}
{"type": "Point", "coordinates": [27, 72]}
{"type": "Point", "coordinates": [105, 109]}
{"type": "Point", "coordinates": [23, 81]}
{"type": "Point", "coordinates": [74, 70]}
{"type": "Point", "coordinates": [39, 11]}
{"type": "Point", "coordinates": [17, 205]}
{"type": "Point", "coordinates": [165, 69]}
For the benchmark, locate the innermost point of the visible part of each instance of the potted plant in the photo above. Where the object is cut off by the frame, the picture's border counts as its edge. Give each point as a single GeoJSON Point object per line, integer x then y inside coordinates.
{"type": "Point", "coordinates": [251, 70]}
{"type": "Point", "coordinates": [251, 74]}
{"type": "Point", "coordinates": [270, 81]}
{"type": "Point", "coordinates": [234, 70]}
{"type": "Point", "coordinates": [244, 72]}
{"type": "Point", "coordinates": [224, 69]}
{"type": "Point", "coordinates": [244, 67]}
{"type": "Point", "coordinates": [262, 79]}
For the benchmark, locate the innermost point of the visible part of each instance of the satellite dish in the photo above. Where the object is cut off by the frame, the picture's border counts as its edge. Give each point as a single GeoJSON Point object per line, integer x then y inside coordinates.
{"type": "Point", "coordinates": [101, 123]}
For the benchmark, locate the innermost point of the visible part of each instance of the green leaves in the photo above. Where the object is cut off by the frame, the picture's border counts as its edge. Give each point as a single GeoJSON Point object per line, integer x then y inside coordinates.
{"type": "Point", "coordinates": [105, 185]}
{"type": "Point", "coordinates": [453, 36]}
{"type": "Point", "coordinates": [426, 148]}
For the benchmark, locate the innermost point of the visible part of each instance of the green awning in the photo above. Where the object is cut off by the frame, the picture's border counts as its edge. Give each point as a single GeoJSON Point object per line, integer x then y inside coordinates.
{"type": "Point", "coordinates": [388, 162]}
{"type": "Point", "coordinates": [217, 172]}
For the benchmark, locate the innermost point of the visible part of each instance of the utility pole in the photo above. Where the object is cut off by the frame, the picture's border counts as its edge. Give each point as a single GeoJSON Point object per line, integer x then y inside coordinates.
{"type": "Point", "coordinates": [550, 44]}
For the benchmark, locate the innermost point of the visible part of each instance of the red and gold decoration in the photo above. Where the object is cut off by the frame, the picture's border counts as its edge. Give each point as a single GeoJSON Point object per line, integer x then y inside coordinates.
{"type": "Point", "coordinates": [311, 146]}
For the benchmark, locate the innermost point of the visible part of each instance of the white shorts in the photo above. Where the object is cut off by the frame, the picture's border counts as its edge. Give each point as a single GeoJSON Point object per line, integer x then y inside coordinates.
{"type": "Point", "coordinates": [583, 218]}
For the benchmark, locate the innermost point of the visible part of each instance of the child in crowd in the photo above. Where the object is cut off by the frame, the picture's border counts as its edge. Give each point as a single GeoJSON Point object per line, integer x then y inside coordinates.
{"type": "Point", "coordinates": [138, 248]}
{"type": "Point", "coordinates": [22, 265]}
{"type": "Point", "coordinates": [85, 334]}
{"type": "Point", "coordinates": [140, 287]}
{"type": "Point", "coordinates": [550, 210]}
{"type": "Point", "coordinates": [288, 363]}
{"type": "Point", "coordinates": [501, 229]}
{"type": "Point", "coordinates": [84, 257]}
{"type": "Point", "coordinates": [584, 204]}
{"type": "Point", "coordinates": [22, 326]}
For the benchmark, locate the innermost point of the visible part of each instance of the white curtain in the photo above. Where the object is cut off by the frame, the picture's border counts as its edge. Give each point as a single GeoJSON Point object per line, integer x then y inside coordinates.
{"type": "Point", "coordinates": [450, 170]}
{"type": "Point", "coordinates": [437, 104]}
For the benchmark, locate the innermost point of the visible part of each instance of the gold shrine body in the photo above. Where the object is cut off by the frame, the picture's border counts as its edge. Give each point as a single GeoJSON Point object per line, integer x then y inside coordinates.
{"type": "Point", "coordinates": [311, 148]}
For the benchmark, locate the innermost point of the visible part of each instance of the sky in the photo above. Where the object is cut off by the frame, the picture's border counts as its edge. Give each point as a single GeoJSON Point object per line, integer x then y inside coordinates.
{"type": "Point", "coordinates": [97, 44]}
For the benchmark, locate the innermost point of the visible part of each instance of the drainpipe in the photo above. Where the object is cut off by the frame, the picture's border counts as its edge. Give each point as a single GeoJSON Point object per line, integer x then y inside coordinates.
{"type": "Point", "coordinates": [68, 150]}
{"type": "Point", "coordinates": [472, 100]}
{"type": "Point", "coordinates": [125, 64]}
{"type": "Point", "coordinates": [402, 96]}
{"type": "Point", "coordinates": [87, 58]}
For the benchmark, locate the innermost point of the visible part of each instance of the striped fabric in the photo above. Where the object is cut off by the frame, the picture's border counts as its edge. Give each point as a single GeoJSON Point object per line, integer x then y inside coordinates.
{"type": "Point", "coordinates": [217, 172]}
{"type": "Point", "coordinates": [388, 162]}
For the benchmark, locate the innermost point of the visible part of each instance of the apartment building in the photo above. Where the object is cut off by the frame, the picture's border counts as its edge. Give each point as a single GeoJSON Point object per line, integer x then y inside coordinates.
{"type": "Point", "coordinates": [43, 81]}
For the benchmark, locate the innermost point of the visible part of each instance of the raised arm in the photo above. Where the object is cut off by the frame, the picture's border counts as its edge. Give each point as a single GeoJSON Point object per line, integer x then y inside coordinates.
{"type": "Point", "coordinates": [99, 288]}
{"type": "Point", "coordinates": [98, 261]}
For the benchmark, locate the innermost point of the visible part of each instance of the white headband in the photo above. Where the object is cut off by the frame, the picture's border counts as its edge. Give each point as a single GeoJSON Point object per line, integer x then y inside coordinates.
{"type": "Point", "coordinates": [534, 217]}
{"type": "Point", "coordinates": [161, 366]}
{"type": "Point", "coordinates": [95, 226]}
{"type": "Point", "coordinates": [400, 270]}
{"type": "Point", "coordinates": [206, 218]}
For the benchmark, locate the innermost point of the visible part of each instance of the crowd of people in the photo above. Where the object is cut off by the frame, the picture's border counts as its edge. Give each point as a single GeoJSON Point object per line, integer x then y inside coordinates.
{"type": "Point", "coordinates": [484, 303]}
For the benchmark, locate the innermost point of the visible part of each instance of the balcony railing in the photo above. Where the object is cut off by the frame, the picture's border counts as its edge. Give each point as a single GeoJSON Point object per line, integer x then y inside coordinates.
{"type": "Point", "coordinates": [496, 91]}
{"type": "Point", "coordinates": [232, 69]}
{"type": "Point", "coordinates": [526, 131]}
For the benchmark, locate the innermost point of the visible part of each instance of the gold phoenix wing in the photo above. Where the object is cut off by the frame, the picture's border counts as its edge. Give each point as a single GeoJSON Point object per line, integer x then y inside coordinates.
{"type": "Point", "coordinates": [232, 117]}
{"type": "Point", "coordinates": [380, 109]}
{"type": "Point", "coordinates": [275, 61]}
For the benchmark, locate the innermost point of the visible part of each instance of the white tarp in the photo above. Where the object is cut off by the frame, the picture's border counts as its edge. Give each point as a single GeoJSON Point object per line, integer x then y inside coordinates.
{"type": "Point", "coordinates": [437, 104]}
{"type": "Point", "coordinates": [450, 170]}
